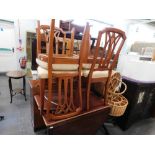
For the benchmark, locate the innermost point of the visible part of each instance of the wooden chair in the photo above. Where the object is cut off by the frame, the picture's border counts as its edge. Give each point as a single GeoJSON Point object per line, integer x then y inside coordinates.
{"type": "Point", "coordinates": [62, 45]}
{"type": "Point", "coordinates": [62, 110]}
{"type": "Point", "coordinates": [109, 44]}
{"type": "Point", "coordinates": [65, 102]}
{"type": "Point", "coordinates": [42, 36]}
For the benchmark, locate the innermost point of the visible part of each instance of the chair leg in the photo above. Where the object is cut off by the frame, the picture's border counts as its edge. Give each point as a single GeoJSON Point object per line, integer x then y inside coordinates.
{"type": "Point", "coordinates": [88, 95]}
{"type": "Point", "coordinates": [106, 92]}
{"type": "Point", "coordinates": [80, 92]}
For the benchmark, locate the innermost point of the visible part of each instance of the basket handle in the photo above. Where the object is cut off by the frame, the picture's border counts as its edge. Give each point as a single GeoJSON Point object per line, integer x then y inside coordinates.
{"type": "Point", "coordinates": [119, 93]}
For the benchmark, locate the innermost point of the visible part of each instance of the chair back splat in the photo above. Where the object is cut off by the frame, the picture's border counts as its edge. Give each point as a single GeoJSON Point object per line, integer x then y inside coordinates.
{"type": "Point", "coordinates": [42, 36]}
{"type": "Point", "coordinates": [61, 44]}
{"type": "Point", "coordinates": [108, 47]}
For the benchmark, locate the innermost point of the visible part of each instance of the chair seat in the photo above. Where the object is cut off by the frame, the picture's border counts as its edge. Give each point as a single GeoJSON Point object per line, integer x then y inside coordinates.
{"type": "Point", "coordinates": [43, 73]}
{"type": "Point", "coordinates": [87, 66]}
{"type": "Point", "coordinates": [64, 67]}
{"type": "Point", "coordinates": [97, 74]}
{"type": "Point", "coordinates": [58, 67]}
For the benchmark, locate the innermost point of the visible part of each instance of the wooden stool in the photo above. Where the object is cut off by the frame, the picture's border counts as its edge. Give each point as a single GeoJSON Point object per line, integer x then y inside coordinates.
{"type": "Point", "coordinates": [17, 75]}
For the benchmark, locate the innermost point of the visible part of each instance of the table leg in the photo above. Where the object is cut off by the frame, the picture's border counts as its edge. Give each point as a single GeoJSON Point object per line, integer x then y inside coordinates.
{"type": "Point", "coordinates": [10, 87]}
{"type": "Point", "coordinates": [24, 87]}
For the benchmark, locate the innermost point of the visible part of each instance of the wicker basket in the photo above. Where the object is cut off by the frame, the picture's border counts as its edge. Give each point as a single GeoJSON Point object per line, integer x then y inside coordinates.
{"type": "Point", "coordinates": [116, 100]}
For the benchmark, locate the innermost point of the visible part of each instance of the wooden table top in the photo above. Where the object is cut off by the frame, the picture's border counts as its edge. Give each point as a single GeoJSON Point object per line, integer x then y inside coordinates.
{"type": "Point", "coordinates": [16, 74]}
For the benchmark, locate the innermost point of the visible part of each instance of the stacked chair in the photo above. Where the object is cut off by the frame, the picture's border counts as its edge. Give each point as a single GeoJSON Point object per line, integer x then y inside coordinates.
{"type": "Point", "coordinates": [62, 45]}
{"type": "Point", "coordinates": [64, 100]}
{"type": "Point", "coordinates": [108, 47]}
{"type": "Point", "coordinates": [62, 106]}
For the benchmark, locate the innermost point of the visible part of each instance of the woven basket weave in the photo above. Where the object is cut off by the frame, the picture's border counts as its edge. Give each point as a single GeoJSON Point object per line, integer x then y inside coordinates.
{"type": "Point", "coordinates": [118, 105]}
{"type": "Point", "coordinates": [116, 100]}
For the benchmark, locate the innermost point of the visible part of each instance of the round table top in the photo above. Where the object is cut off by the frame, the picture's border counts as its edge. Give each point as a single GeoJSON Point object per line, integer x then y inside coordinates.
{"type": "Point", "coordinates": [16, 74]}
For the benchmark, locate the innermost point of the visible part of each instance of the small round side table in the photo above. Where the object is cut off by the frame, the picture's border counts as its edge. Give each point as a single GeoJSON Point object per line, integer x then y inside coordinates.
{"type": "Point", "coordinates": [17, 75]}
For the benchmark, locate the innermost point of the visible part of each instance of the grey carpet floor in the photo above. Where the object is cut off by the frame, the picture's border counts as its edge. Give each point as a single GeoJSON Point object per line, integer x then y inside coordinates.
{"type": "Point", "coordinates": [17, 119]}
{"type": "Point", "coordinates": [17, 115]}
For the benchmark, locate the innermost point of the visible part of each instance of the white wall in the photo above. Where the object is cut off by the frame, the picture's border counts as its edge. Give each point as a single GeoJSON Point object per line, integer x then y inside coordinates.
{"type": "Point", "coordinates": [140, 32]}
{"type": "Point", "coordinates": [25, 26]}
{"type": "Point", "coordinates": [13, 41]}
{"type": "Point", "coordinates": [7, 38]}
{"type": "Point", "coordinates": [124, 26]}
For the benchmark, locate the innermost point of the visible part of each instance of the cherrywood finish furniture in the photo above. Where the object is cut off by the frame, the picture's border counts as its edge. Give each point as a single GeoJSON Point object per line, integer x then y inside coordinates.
{"type": "Point", "coordinates": [73, 33]}
{"type": "Point", "coordinates": [87, 123]}
{"type": "Point", "coordinates": [113, 40]}
{"type": "Point", "coordinates": [17, 75]}
{"type": "Point", "coordinates": [61, 96]}
{"type": "Point", "coordinates": [64, 106]}
{"type": "Point", "coordinates": [42, 35]}
{"type": "Point", "coordinates": [36, 118]}
{"type": "Point", "coordinates": [66, 103]}
{"type": "Point", "coordinates": [61, 100]}
{"type": "Point", "coordinates": [62, 45]}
